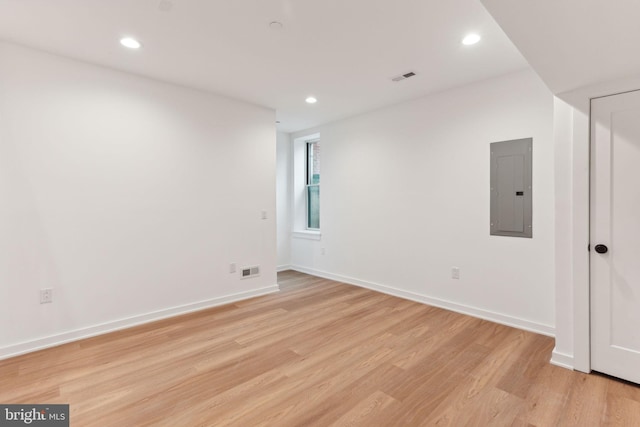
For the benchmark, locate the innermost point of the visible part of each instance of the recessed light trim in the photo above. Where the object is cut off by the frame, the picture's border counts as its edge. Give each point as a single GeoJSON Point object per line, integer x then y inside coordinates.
{"type": "Point", "coordinates": [311, 100]}
{"type": "Point", "coordinates": [130, 42]}
{"type": "Point", "coordinates": [276, 25]}
{"type": "Point", "coordinates": [471, 39]}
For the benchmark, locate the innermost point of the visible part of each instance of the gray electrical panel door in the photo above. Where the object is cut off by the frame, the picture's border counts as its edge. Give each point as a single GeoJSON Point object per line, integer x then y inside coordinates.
{"type": "Point", "coordinates": [511, 188]}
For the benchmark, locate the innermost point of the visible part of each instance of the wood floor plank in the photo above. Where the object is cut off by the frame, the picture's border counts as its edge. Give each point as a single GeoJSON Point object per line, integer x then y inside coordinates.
{"type": "Point", "coordinates": [318, 353]}
{"type": "Point", "coordinates": [367, 412]}
{"type": "Point", "coordinates": [586, 401]}
{"type": "Point", "coordinates": [620, 411]}
{"type": "Point", "coordinates": [521, 374]}
{"type": "Point", "coordinates": [495, 408]}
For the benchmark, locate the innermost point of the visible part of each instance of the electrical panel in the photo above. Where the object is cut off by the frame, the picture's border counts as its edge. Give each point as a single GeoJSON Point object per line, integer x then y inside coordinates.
{"type": "Point", "coordinates": [511, 201]}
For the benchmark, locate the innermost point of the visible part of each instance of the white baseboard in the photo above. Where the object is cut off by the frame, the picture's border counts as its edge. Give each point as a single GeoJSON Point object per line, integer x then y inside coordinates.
{"type": "Point", "coordinates": [437, 302]}
{"type": "Point", "coordinates": [284, 267]}
{"type": "Point", "coordinates": [561, 359]}
{"type": "Point", "coordinates": [104, 328]}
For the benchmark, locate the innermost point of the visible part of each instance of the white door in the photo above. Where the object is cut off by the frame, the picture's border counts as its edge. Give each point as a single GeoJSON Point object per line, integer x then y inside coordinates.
{"type": "Point", "coordinates": [615, 226]}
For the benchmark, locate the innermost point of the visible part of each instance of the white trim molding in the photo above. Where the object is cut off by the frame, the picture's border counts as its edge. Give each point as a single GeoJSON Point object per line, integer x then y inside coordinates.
{"type": "Point", "coordinates": [492, 316]}
{"type": "Point", "coordinates": [104, 328]}
{"type": "Point", "coordinates": [306, 234]}
{"type": "Point", "coordinates": [561, 359]}
{"type": "Point", "coordinates": [283, 267]}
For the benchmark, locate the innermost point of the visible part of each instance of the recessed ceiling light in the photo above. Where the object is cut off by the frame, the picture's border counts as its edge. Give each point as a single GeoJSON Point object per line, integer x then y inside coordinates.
{"type": "Point", "coordinates": [471, 39]}
{"type": "Point", "coordinates": [276, 25]}
{"type": "Point", "coordinates": [129, 42]}
{"type": "Point", "coordinates": [311, 100]}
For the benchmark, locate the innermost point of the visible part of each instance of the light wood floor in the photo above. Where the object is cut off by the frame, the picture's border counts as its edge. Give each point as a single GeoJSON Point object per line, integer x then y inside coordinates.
{"type": "Point", "coordinates": [318, 353]}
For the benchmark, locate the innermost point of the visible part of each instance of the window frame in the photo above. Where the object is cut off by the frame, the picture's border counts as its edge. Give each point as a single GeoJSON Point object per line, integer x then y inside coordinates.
{"type": "Point", "coordinates": [308, 184]}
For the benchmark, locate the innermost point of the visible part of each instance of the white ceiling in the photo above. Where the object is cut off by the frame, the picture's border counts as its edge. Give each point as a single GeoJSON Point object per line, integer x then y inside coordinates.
{"type": "Point", "coordinates": [344, 52]}
{"type": "Point", "coordinates": [573, 43]}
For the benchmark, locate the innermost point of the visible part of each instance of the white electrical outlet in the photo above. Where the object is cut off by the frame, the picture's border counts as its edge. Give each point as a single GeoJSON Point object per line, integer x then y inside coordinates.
{"type": "Point", "coordinates": [263, 214]}
{"type": "Point", "coordinates": [455, 272]}
{"type": "Point", "coordinates": [46, 296]}
{"type": "Point", "coordinates": [322, 251]}
{"type": "Point", "coordinates": [232, 267]}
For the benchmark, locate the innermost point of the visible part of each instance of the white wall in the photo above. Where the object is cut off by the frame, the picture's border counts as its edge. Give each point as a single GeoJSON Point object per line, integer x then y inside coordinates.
{"type": "Point", "coordinates": [283, 201]}
{"type": "Point", "coordinates": [405, 196]}
{"type": "Point", "coordinates": [129, 197]}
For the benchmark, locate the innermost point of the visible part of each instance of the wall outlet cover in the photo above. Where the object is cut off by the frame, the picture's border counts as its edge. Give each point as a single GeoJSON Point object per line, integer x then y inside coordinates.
{"type": "Point", "coordinates": [46, 296]}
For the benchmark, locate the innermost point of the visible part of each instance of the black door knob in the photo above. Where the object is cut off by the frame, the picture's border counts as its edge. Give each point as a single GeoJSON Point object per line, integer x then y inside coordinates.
{"type": "Point", "coordinates": [602, 249]}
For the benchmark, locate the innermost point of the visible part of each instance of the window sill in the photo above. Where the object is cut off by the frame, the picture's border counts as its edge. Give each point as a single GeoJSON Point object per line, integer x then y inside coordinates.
{"type": "Point", "coordinates": [307, 234]}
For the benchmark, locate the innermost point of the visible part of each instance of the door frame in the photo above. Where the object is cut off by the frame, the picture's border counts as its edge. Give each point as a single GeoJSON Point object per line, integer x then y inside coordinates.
{"type": "Point", "coordinates": [572, 259]}
{"type": "Point", "coordinates": [608, 358]}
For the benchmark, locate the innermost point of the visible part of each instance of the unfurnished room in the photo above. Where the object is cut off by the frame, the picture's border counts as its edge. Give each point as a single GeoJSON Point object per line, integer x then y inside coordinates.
{"type": "Point", "coordinates": [319, 213]}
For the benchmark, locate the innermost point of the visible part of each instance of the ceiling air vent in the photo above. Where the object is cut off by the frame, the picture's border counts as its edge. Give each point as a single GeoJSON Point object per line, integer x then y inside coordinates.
{"type": "Point", "coordinates": [403, 76]}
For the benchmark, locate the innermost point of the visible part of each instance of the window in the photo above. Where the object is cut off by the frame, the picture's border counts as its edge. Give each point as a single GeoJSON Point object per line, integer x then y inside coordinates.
{"type": "Point", "coordinates": [305, 200]}
{"type": "Point", "coordinates": [313, 185]}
